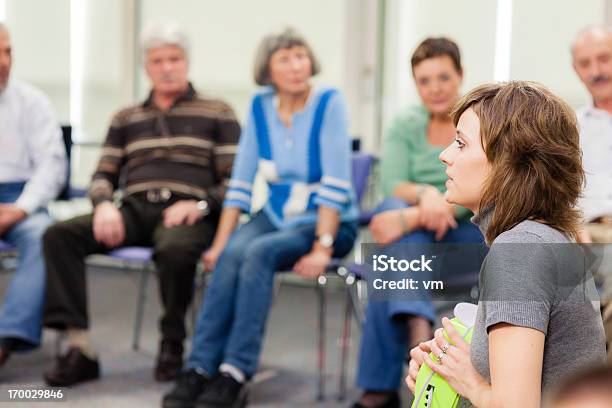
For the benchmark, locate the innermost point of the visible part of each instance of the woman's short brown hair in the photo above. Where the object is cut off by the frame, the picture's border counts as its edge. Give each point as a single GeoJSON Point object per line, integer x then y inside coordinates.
{"type": "Point", "coordinates": [437, 47]}
{"type": "Point", "coordinates": [270, 44]}
{"type": "Point", "coordinates": [530, 138]}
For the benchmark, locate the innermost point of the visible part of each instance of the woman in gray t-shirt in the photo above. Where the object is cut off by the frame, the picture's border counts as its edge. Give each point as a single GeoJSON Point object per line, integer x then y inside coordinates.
{"type": "Point", "coordinates": [516, 163]}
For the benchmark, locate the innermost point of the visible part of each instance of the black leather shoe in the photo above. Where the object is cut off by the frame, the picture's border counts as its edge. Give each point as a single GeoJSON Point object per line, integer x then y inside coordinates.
{"type": "Point", "coordinates": [169, 360]}
{"type": "Point", "coordinates": [189, 385]}
{"type": "Point", "coordinates": [6, 347]}
{"type": "Point", "coordinates": [392, 402]}
{"type": "Point", "coordinates": [223, 392]}
{"type": "Point", "coordinates": [72, 368]}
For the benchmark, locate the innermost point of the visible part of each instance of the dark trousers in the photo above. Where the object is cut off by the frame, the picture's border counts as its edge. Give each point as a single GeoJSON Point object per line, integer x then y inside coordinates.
{"type": "Point", "coordinates": [176, 253]}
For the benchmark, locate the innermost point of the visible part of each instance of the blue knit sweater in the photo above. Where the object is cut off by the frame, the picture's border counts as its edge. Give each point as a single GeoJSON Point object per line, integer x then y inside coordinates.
{"type": "Point", "coordinates": [304, 168]}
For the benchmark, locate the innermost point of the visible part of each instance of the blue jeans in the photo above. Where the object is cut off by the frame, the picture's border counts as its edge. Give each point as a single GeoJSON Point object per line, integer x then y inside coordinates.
{"type": "Point", "coordinates": [21, 313]}
{"type": "Point", "coordinates": [231, 323]}
{"type": "Point", "coordinates": [385, 337]}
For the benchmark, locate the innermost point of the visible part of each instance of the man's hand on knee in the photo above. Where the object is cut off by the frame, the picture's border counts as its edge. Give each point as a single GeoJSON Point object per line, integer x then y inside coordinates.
{"type": "Point", "coordinates": [108, 225]}
{"type": "Point", "coordinates": [183, 212]}
{"type": "Point", "coordinates": [9, 216]}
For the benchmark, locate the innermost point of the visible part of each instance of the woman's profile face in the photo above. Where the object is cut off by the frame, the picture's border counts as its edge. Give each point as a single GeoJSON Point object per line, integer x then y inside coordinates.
{"type": "Point", "coordinates": [291, 69]}
{"type": "Point", "coordinates": [467, 166]}
{"type": "Point", "coordinates": [438, 82]}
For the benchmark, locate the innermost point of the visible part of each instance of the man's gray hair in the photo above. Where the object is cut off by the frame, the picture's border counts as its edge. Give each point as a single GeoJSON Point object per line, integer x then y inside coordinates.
{"type": "Point", "coordinates": [592, 29]}
{"type": "Point", "coordinates": [157, 35]}
{"type": "Point", "coordinates": [274, 42]}
{"type": "Point", "coordinates": [3, 28]}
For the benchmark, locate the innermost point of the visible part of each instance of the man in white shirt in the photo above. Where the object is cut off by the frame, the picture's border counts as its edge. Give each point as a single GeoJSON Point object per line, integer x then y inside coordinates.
{"type": "Point", "coordinates": [32, 172]}
{"type": "Point", "coordinates": [592, 60]}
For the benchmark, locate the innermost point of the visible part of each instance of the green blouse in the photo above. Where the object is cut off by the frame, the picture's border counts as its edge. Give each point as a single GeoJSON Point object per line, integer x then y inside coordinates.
{"type": "Point", "coordinates": [408, 155]}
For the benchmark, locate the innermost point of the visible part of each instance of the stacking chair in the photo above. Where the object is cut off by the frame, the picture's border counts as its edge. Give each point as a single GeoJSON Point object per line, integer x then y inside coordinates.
{"type": "Point", "coordinates": [138, 259]}
{"type": "Point", "coordinates": [361, 169]}
{"type": "Point", "coordinates": [141, 258]}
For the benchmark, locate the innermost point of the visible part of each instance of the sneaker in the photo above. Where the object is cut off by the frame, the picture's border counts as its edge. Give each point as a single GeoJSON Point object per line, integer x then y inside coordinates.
{"type": "Point", "coordinates": [189, 385]}
{"type": "Point", "coordinates": [72, 368]}
{"type": "Point", "coordinates": [223, 392]}
{"type": "Point", "coordinates": [169, 361]}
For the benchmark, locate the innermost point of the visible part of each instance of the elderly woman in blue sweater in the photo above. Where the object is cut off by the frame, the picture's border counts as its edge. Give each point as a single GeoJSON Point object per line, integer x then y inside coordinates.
{"type": "Point", "coordinates": [296, 136]}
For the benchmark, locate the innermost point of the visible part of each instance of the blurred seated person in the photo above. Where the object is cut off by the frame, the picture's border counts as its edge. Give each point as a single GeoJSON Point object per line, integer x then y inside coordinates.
{"type": "Point", "coordinates": [415, 212]}
{"type": "Point", "coordinates": [174, 153]}
{"type": "Point", "coordinates": [592, 61]}
{"type": "Point", "coordinates": [297, 136]}
{"type": "Point", "coordinates": [32, 173]}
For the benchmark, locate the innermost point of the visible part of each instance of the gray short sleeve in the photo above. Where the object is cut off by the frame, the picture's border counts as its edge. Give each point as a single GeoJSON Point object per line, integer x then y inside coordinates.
{"type": "Point", "coordinates": [519, 284]}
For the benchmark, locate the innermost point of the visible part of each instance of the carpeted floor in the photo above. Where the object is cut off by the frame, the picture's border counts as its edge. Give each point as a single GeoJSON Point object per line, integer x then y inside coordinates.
{"type": "Point", "coordinates": [287, 376]}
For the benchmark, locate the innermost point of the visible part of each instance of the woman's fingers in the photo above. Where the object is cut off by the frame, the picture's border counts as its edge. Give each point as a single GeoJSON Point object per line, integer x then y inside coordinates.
{"type": "Point", "coordinates": [425, 346]}
{"type": "Point", "coordinates": [441, 231]}
{"type": "Point", "coordinates": [413, 372]}
{"type": "Point", "coordinates": [440, 340]}
{"type": "Point", "coordinates": [436, 351]}
{"type": "Point", "coordinates": [436, 367]}
{"type": "Point", "coordinates": [452, 222]}
{"type": "Point", "coordinates": [454, 335]}
{"type": "Point", "coordinates": [417, 355]}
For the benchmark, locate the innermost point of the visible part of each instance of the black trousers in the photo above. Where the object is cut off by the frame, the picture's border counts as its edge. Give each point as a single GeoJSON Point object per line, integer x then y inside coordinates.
{"type": "Point", "coordinates": [176, 253]}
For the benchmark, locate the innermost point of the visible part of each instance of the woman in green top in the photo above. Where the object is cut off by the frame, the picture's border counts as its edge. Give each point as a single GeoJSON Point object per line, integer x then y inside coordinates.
{"type": "Point", "coordinates": [415, 211]}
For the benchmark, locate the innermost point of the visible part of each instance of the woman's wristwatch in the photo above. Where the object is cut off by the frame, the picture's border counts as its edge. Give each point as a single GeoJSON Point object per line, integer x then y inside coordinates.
{"type": "Point", "coordinates": [326, 240]}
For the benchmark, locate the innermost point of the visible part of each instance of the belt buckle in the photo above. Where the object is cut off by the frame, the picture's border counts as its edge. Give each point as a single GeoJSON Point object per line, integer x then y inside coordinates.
{"type": "Point", "coordinates": [159, 196]}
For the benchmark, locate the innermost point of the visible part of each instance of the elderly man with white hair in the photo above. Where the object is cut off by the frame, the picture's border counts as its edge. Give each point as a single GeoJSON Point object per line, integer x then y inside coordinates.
{"type": "Point", "coordinates": [592, 60]}
{"type": "Point", "coordinates": [173, 154]}
{"type": "Point", "coordinates": [32, 173]}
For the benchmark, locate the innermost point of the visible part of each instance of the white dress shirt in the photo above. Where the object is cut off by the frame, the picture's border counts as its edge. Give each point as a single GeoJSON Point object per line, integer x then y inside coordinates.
{"type": "Point", "coordinates": [596, 142]}
{"type": "Point", "coordinates": [31, 145]}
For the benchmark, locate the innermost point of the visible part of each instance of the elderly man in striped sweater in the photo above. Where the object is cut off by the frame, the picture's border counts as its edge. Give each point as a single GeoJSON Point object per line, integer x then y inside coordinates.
{"type": "Point", "coordinates": [173, 155]}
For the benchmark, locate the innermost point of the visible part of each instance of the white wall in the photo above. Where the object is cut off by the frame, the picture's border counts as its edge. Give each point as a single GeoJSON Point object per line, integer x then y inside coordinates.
{"type": "Point", "coordinates": [106, 68]}
{"type": "Point", "coordinates": [471, 23]}
{"type": "Point", "coordinates": [541, 35]}
{"type": "Point", "coordinates": [41, 47]}
{"type": "Point", "coordinates": [225, 35]}
{"type": "Point", "coordinates": [542, 32]}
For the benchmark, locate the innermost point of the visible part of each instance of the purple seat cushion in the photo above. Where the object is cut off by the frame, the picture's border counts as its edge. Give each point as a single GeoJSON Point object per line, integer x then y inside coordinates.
{"type": "Point", "coordinates": [141, 254]}
{"type": "Point", "coordinates": [5, 246]}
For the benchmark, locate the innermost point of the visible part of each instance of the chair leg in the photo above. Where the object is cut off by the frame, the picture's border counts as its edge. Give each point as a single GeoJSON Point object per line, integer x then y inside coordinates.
{"type": "Point", "coordinates": [142, 294]}
{"type": "Point", "coordinates": [345, 343]}
{"type": "Point", "coordinates": [357, 296]}
{"type": "Point", "coordinates": [321, 354]}
{"type": "Point", "coordinates": [198, 288]}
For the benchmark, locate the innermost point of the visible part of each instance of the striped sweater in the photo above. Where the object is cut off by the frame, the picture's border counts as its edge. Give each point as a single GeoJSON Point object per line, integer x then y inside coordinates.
{"type": "Point", "coordinates": [188, 149]}
{"type": "Point", "coordinates": [302, 171]}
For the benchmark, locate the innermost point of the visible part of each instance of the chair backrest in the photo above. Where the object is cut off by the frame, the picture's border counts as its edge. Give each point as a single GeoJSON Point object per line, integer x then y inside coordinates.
{"type": "Point", "coordinates": [362, 165]}
{"type": "Point", "coordinates": [65, 194]}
